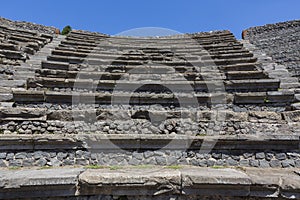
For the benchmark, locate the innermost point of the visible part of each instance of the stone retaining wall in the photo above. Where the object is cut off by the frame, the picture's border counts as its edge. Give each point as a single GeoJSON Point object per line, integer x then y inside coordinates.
{"type": "Point", "coordinates": [26, 151]}
{"type": "Point", "coordinates": [281, 41]}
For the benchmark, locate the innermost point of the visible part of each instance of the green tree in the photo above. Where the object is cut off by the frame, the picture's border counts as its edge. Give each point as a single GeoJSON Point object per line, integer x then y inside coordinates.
{"type": "Point", "coordinates": [66, 30]}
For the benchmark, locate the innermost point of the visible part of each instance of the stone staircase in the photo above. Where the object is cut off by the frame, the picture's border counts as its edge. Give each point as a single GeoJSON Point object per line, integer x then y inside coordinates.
{"type": "Point", "coordinates": [200, 103]}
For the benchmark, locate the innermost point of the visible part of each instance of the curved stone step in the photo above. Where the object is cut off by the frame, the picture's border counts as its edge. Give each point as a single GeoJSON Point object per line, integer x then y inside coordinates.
{"type": "Point", "coordinates": [104, 98]}
{"type": "Point", "coordinates": [169, 52]}
{"type": "Point", "coordinates": [283, 97]}
{"type": "Point", "coordinates": [98, 75]}
{"type": "Point", "coordinates": [128, 47]}
{"type": "Point", "coordinates": [251, 85]}
{"type": "Point", "coordinates": [91, 61]}
{"type": "Point", "coordinates": [106, 75]}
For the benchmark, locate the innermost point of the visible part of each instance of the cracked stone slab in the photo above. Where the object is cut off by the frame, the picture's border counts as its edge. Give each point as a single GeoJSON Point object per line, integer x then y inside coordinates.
{"type": "Point", "coordinates": [130, 181]}
{"type": "Point", "coordinates": [22, 113]}
{"type": "Point", "coordinates": [207, 181]}
{"type": "Point", "coordinates": [31, 183]}
{"type": "Point", "coordinates": [275, 182]}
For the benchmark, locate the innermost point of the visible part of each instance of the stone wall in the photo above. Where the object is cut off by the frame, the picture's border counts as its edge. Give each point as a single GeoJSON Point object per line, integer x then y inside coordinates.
{"type": "Point", "coordinates": [96, 150]}
{"type": "Point", "coordinates": [281, 41]}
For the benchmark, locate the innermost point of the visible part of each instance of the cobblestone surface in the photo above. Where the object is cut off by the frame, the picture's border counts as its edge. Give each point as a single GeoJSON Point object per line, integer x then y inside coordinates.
{"type": "Point", "coordinates": [160, 157]}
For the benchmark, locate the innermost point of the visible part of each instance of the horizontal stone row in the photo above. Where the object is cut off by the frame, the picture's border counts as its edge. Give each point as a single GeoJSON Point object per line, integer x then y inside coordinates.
{"type": "Point", "coordinates": [217, 46]}
{"type": "Point", "coordinates": [182, 62]}
{"type": "Point", "coordinates": [146, 98]}
{"type": "Point", "coordinates": [138, 52]}
{"type": "Point", "coordinates": [105, 75]}
{"type": "Point", "coordinates": [146, 182]}
{"type": "Point", "coordinates": [279, 107]}
{"type": "Point", "coordinates": [153, 43]}
{"type": "Point", "coordinates": [150, 85]}
{"type": "Point", "coordinates": [154, 113]}
{"type": "Point", "coordinates": [179, 37]}
{"type": "Point", "coordinates": [100, 123]}
{"type": "Point", "coordinates": [159, 157]}
{"type": "Point", "coordinates": [204, 55]}
{"type": "Point", "coordinates": [150, 68]}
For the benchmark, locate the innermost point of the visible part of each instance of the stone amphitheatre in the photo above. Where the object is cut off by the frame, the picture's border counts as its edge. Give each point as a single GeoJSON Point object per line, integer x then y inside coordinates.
{"type": "Point", "coordinates": [191, 116]}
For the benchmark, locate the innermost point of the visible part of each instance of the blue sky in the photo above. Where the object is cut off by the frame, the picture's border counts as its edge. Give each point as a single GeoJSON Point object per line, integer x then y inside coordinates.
{"type": "Point", "coordinates": [115, 16]}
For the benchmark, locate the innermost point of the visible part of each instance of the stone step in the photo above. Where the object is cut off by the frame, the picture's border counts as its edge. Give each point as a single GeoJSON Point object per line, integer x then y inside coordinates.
{"type": "Point", "coordinates": [118, 53]}
{"type": "Point", "coordinates": [91, 61]}
{"type": "Point", "coordinates": [283, 97]}
{"type": "Point", "coordinates": [191, 41]}
{"type": "Point", "coordinates": [133, 69]}
{"type": "Point", "coordinates": [22, 114]}
{"type": "Point", "coordinates": [251, 85]}
{"type": "Point", "coordinates": [11, 54]}
{"type": "Point", "coordinates": [128, 47]}
{"type": "Point", "coordinates": [237, 75]}
{"type": "Point", "coordinates": [121, 57]}
{"type": "Point", "coordinates": [8, 46]}
{"type": "Point", "coordinates": [17, 30]}
{"type": "Point", "coordinates": [162, 38]}
{"type": "Point", "coordinates": [157, 116]}
{"type": "Point", "coordinates": [118, 98]}
{"type": "Point", "coordinates": [5, 94]}
{"type": "Point", "coordinates": [260, 98]}
{"type": "Point", "coordinates": [13, 83]}
{"type": "Point", "coordinates": [97, 75]}
{"type": "Point", "coordinates": [203, 56]}
{"type": "Point", "coordinates": [211, 48]}
{"type": "Point", "coordinates": [150, 69]}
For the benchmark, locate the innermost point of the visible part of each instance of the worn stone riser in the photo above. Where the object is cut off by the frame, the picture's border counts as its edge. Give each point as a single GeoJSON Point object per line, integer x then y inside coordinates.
{"type": "Point", "coordinates": [122, 40]}
{"type": "Point", "coordinates": [187, 41]}
{"type": "Point", "coordinates": [149, 69]}
{"type": "Point", "coordinates": [187, 76]}
{"type": "Point", "coordinates": [168, 48]}
{"type": "Point", "coordinates": [213, 49]}
{"type": "Point", "coordinates": [113, 56]}
{"type": "Point", "coordinates": [87, 34]}
{"type": "Point", "coordinates": [260, 98]}
{"type": "Point", "coordinates": [149, 182]}
{"type": "Point", "coordinates": [191, 40]}
{"type": "Point", "coordinates": [204, 56]}
{"type": "Point", "coordinates": [152, 113]}
{"type": "Point", "coordinates": [198, 62]}
{"type": "Point", "coordinates": [176, 38]}
{"type": "Point", "coordinates": [14, 55]}
{"type": "Point", "coordinates": [157, 86]}
{"type": "Point", "coordinates": [171, 54]}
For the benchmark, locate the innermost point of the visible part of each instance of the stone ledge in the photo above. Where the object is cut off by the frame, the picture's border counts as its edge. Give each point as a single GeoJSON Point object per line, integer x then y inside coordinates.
{"type": "Point", "coordinates": [95, 142]}
{"type": "Point", "coordinates": [32, 183]}
{"type": "Point", "coordinates": [150, 182]}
